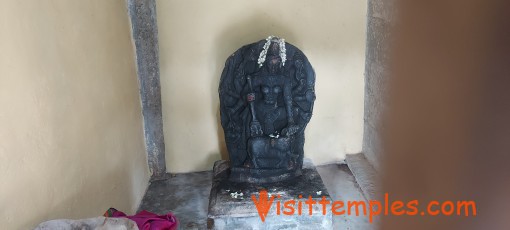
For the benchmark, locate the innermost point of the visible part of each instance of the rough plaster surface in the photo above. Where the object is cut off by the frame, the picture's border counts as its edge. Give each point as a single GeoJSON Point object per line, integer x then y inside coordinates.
{"type": "Point", "coordinates": [195, 39]}
{"type": "Point", "coordinates": [376, 76]}
{"type": "Point", "coordinates": [71, 136]}
{"type": "Point", "coordinates": [144, 28]}
{"type": "Point", "coordinates": [187, 196]}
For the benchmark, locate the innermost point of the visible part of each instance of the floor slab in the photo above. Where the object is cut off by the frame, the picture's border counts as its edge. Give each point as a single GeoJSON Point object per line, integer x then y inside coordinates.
{"type": "Point", "coordinates": [230, 206]}
{"type": "Point", "coordinates": [187, 196]}
{"type": "Point", "coordinates": [342, 186]}
{"type": "Point", "coordinates": [366, 176]}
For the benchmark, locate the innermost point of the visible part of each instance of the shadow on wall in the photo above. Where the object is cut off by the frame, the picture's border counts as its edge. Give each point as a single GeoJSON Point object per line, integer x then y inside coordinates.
{"type": "Point", "coordinates": [260, 26]}
{"type": "Point", "coordinates": [68, 205]}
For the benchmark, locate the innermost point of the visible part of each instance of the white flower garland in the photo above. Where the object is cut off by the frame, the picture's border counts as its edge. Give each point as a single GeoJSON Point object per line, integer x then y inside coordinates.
{"type": "Point", "coordinates": [263, 53]}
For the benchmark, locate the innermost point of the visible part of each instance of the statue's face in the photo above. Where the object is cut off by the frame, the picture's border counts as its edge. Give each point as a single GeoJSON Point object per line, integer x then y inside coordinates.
{"type": "Point", "coordinates": [271, 93]}
{"type": "Point", "coordinates": [273, 64]}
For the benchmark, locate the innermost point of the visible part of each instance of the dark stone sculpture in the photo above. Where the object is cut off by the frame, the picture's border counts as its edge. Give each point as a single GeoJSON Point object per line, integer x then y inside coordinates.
{"type": "Point", "coordinates": [266, 100]}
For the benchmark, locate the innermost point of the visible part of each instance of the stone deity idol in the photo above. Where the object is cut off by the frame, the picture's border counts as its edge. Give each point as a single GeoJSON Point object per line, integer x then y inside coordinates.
{"type": "Point", "coordinates": [266, 100]}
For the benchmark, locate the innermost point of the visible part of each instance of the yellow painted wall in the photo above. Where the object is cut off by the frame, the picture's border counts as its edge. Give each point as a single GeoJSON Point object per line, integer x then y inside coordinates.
{"type": "Point", "coordinates": [197, 36]}
{"type": "Point", "coordinates": [71, 139]}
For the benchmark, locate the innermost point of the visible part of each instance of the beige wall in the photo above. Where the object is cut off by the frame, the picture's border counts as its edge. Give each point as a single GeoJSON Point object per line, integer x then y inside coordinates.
{"type": "Point", "coordinates": [71, 140]}
{"type": "Point", "coordinates": [196, 37]}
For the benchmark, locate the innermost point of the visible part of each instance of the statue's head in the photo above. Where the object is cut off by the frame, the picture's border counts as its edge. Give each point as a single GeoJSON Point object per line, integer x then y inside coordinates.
{"type": "Point", "coordinates": [271, 90]}
{"type": "Point", "coordinates": [273, 59]}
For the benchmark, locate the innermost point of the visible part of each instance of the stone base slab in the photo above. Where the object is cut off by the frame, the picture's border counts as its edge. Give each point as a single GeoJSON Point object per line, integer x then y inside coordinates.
{"type": "Point", "coordinates": [231, 205]}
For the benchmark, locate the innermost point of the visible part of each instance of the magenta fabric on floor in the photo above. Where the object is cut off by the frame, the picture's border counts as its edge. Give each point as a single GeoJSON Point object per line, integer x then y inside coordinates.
{"type": "Point", "coordinates": [150, 221]}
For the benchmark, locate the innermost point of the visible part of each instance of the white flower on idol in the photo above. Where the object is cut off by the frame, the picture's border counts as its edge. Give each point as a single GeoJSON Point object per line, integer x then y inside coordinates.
{"type": "Point", "coordinates": [263, 53]}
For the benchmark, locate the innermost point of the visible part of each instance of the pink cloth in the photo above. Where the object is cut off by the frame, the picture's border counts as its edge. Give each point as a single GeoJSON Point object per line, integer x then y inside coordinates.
{"type": "Point", "coordinates": [150, 221]}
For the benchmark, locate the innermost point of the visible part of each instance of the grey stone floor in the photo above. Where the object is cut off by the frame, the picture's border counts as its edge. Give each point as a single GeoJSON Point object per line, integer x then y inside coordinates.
{"type": "Point", "coordinates": [342, 185]}
{"type": "Point", "coordinates": [187, 196]}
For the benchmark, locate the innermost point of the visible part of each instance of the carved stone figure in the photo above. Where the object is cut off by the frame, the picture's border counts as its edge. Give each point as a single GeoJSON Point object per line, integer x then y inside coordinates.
{"type": "Point", "coordinates": [266, 100]}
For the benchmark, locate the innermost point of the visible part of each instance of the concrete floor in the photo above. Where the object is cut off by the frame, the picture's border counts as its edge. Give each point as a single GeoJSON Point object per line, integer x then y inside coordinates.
{"type": "Point", "coordinates": [187, 196]}
{"type": "Point", "coordinates": [342, 185]}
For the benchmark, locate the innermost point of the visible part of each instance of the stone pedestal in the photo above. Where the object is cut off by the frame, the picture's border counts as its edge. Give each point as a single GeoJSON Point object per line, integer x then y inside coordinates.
{"type": "Point", "coordinates": [231, 205]}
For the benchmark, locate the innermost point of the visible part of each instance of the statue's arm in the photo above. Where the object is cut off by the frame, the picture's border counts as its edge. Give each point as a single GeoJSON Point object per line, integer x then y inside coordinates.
{"type": "Point", "coordinates": [287, 94]}
{"type": "Point", "coordinates": [292, 128]}
{"type": "Point", "coordinates": [255, 127]}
